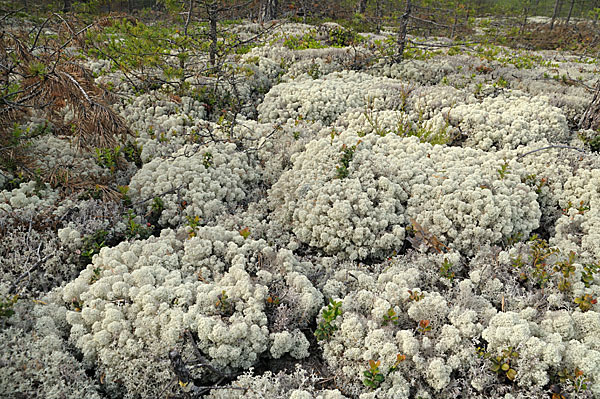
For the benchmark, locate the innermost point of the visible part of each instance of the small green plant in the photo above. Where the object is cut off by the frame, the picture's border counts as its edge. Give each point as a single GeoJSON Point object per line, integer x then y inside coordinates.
{"type": "Point", "coordinates": [581, 208]}
{"type": "Point", "coordinates": [414, 51]}
{"type": "Point", "coordinates": [37, 69]}
{"type": "Point", "coordinates": [108, 158]}
{"type": "Point", "coordinates": [424, 326]}
{"type": "Point", "coordinates": [207, 160]}
{"type": "Point", "coordinates": [92, 244]}
{"type": "Point", "coordinates": [445, 270]}
{"type": "Point", "coordinates": [95, 275]}
{"type": "Point", "coordinates": [566, 268]}
{"type": "Point", "coordinates": [306, 41]}
{"type": "Point", "coordinates": [17, 140]}
{"type": "Point", "coordinates": [594, 143]}
{"type": "Point", "coordinates": [373, 376]}
{"type": "Point", "coordinates": [325, 329]}
{"type": "Point", "coordinates": [158, 205]}
{"type": "Point", "coordinates": [513, 239]}
{"type": "Point", "coordinates": [454, 50]}
{"type": "Point", "coordinates": [503, 170]}
{"type": "Point", "coordinates": [345, 159]}
{"type": "Point", "coordinates": [532, 181]}
{"type": "Point", "coordinates": [340, 37]}
{"type": "Point", "coordinates": [420, 129]}
{"type": "Point", "coordinates": [245, 232]}
{"type": "Point", "coordinates": [133, 153]}
{"type": "Point", "coordinates": [501, 82]}
{"type": "Point", "coordinates": [76, 304]}
{"type": "Point", "coordinates": [193, 224]}
{"type": "Point", "coordinates": [123, 190]}
{"type": "Point", "coordinates": [536, 267]}
{"type": "Point", "coordinates": [399, 359]}
{"type": "Point", "coordinates": [333, 134]}
{"type": "Point", "coordinates": [390, 317]}
{"type": "Point", "coordinates": [224, 305]}
{"type": "Point", "coordinates": [273, 300]}
{"type": "Point", "coordinates": [585, 302]}
{"type": "Point", "coordinates": [135, 229]}
{"type": "Point", "coordinates": [415, 296]}
{"type": "Point", "coordinates": [6, 306]}
{"type": "Point", "coordinates": [501, 364]}
{"type": "Point", "coordinates": [314, 71]}
{"type": "Point", "coordinates": [577, 379]}
{"type": "Point", "coordinates": [587, 274]}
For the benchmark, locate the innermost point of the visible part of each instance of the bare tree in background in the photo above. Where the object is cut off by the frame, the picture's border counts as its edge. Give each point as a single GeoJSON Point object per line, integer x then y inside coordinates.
{"type": "Point", "coordinates": [529, 7]}
{"type": "Point", "coordinates": [361, 6]}
{"type": "Point", "coordinates": [570, 11]}
{"type": "Point", "coordinates": [268, 10]}
{"type": "Point", "coordinates": [555, 13]}
{"type": "Point", "coordinates": [401, 38]}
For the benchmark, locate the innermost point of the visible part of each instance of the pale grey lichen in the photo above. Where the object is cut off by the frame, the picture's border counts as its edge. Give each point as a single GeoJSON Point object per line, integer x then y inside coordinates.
{"type": "Point", "coordinates": [197, 181]}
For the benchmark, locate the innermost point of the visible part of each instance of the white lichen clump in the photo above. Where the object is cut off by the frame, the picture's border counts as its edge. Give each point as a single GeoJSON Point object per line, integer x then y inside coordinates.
{"type": "Point", "coordinates": [326, 98]}
{"type": "Point", "coordinates": [195, 181]}
{"type": "Point", "coordinates": [357, 215]}
{"type": "Point", "coordinates": [27, 200]}
{"type": "Point", "coordinates": [354, 196]}
{"type": "Point", "coordinates": [425, 229]}
{"type": "Point", "coordinates": [132, 305]}
{"type": "Point", "coordinates": [509, 121]}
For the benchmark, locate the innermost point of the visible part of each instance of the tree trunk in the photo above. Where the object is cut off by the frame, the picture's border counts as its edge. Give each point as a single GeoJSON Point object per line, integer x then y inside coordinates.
{"type": "Point", "coordinates": [378, 15]}
{"type": "Point", "coordinates": [67, 6]}
{"type": "Point", "coordinates": [213, 16]}
{"type": "Point", "coordinates": [401, 39]}
{"type": "Point", "coordinates": [454, 25]}
{"type": "Point", "coordinates": [554, 14]}
{"type": "Point", "coordinates": [570, 11]}
{"type": "Point", "coordinates": [305, 8]}
{"type": "Point", "coordinates": [534, 7]}
{"type": "Point", "coordinates": [268, 10]}
{"type": "Point", "coordinates": [361, 7]}
{"type": "Point", "coordinates": [525, 15]}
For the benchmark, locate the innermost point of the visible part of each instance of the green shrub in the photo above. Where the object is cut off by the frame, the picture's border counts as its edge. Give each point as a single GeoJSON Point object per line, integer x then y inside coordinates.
{"type": "Point", "coordinates": [306, 41]}
{"type": "Point", "coordinates": [325, 329]}
{"type": "Point", "coordinates": [341, 37]}
{"type": "Point", "coordinates": [6, 306]}
{"type": "Point", "coordinates": [373, 377]}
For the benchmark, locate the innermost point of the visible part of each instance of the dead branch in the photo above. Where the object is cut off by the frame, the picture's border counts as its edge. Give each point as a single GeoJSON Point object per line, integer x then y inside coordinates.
{"type": "Point", "coordinates": [550, 147]}
{"type": "Point", "coordinates": [29, 271]}
{"type": "Point", "coordinates": [184, 376]}
{"type": "Point", "coordinates": [591, 116]}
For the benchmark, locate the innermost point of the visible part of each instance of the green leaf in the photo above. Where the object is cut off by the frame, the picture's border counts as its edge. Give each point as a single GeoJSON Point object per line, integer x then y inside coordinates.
{"type": "Point", "coordinates": [511, 374]}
